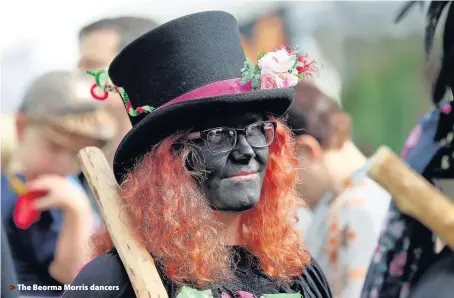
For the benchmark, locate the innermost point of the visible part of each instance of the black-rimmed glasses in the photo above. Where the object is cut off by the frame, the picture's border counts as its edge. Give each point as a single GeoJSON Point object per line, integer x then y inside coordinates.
{"type": "Point", "coordinates": [223, 139]}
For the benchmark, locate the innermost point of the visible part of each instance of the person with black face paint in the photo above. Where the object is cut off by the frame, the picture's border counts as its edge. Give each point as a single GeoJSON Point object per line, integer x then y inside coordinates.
{"type": "Point", "coordinates": [208, 170]}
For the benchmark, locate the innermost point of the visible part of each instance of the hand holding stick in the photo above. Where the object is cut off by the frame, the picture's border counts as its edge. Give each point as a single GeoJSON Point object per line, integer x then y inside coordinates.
{"type": "Point", "coordinates": [137, 261]}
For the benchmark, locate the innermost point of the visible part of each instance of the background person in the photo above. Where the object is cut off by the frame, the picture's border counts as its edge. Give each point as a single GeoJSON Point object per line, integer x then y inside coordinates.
{"type": "Point", "coordinates": [347, 215]}
{"type": "Point", "coordinates": [99, 43]}
{"type": "Point", "coordinates": [56, 119]}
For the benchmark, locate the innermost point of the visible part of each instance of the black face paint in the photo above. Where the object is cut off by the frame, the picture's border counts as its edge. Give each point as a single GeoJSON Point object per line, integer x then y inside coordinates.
{"type": "Point", "coordinates": [234, 179]}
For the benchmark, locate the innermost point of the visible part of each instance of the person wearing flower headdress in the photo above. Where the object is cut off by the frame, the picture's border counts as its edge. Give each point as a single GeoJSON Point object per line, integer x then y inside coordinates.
{"type": "Point", "coordinates": [208, 169]}
{"type": "Point", "coordinates": [407, 261]}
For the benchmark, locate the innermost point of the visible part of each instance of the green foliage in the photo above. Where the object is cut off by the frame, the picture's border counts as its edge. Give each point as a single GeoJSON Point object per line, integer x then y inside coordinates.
{"type": "Point", "coordinates": [385, 95]}
{"type": "Point", "coordinates": [250, 72]}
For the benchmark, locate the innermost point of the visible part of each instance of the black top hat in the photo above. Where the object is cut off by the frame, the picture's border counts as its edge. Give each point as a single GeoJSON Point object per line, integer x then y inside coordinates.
{"type": "Point", "coordinates": [183, 56]}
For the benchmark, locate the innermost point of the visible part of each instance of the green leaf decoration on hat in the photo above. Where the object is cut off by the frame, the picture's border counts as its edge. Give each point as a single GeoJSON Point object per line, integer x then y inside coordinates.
{"type": "Point", "coordinates": [103, 81]}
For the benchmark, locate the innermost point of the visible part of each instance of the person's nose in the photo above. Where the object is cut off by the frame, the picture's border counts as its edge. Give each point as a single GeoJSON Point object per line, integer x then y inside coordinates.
{"type": "Point", "coordinates": [243, 151]}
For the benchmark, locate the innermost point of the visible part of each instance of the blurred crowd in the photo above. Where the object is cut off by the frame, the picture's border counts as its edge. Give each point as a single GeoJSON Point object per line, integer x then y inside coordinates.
{"type": "Point", "coordinates": [341, 222]}
{"type": "Point", "coordinates": [56, 118]}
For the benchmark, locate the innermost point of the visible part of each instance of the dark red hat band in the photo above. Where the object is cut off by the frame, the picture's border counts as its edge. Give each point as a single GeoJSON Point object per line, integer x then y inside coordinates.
{"type": "Point", "coordinates": [232, 86]}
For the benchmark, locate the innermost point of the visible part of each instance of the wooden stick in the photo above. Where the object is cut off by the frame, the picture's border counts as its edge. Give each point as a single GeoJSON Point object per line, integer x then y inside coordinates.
{"type": "Point", "coordinates": [137, 261]}
{"type": "Point", "coordinates": [413, 194]}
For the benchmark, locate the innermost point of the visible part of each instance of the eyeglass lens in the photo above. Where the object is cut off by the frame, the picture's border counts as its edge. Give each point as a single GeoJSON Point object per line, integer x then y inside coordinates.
{"type": "Point", "coordinates": [222, 139]}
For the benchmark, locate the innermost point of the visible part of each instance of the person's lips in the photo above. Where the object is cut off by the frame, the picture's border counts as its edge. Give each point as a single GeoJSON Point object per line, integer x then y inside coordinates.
{"type": "Point", "coordinates": [243, 175]}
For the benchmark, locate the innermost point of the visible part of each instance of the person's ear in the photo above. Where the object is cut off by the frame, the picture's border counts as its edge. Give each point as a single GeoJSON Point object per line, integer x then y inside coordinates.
{"type": "Point", "coordinates": [310, 146]}
{"type": "Point", "coordinates": [21, 123]}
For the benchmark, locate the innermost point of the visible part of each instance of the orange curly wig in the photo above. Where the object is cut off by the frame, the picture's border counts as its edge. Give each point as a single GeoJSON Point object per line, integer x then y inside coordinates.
{"type": "Point", "coordinates": [173, 219]}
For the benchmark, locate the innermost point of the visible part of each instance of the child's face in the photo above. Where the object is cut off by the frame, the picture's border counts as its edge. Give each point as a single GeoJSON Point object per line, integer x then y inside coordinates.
{"type": "Point", "coordinates": [43, 151]}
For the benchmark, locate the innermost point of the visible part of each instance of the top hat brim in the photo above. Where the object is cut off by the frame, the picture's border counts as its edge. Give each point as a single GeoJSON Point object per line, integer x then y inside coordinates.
{"type": "Point", "coordinates": [187, 115]}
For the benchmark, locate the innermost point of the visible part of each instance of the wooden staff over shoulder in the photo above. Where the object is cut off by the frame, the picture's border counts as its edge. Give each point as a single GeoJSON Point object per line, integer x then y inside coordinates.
{"type": "Point", "coordinates": [413, 194]}
{"type": "Point", "coordinates": [137, 261]}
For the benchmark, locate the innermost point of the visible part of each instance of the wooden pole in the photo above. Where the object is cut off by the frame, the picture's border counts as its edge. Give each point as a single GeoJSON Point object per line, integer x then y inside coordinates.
{"type": "Point", "coordinates": [413, 194]}
{"type": "Point", "coordinates": [137, 261]}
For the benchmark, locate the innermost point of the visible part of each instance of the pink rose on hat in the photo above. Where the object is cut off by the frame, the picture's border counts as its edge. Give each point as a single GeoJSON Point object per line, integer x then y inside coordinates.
{"type": "Point", "coordinates": [278, 61]}
{"type": "Point", "coordinates": [278, 80]}
{"type": "Point", "coordinates": [268, 81]}
{"type": "Point", "coordinates": [287, 80]}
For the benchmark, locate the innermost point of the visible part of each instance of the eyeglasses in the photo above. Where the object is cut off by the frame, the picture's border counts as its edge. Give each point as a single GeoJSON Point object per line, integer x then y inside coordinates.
{"type": "Point", "coordinates": [223, 139]}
